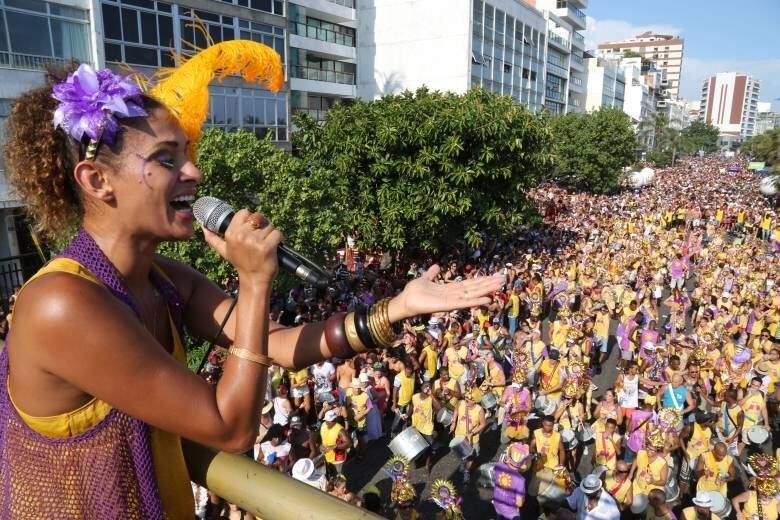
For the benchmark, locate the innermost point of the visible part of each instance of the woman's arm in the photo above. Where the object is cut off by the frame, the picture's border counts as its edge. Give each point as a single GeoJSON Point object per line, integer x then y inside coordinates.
{"type": "Point", "coordinates": [206, 306]}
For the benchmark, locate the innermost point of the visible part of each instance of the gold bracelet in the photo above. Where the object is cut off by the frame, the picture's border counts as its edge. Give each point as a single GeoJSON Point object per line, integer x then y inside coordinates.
{"type": "Point", "coordinates": [373, 329]}
{"type": "Point", "coordinates": [254, 357]}
{"type": "Point", "coordinates": [385, 326]}
{"type": "Point", "coordinates": [352, 336]}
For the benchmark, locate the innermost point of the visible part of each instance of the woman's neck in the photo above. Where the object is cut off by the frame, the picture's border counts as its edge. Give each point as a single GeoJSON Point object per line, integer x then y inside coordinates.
{"type": "Point", "coordinates": [131, 255]}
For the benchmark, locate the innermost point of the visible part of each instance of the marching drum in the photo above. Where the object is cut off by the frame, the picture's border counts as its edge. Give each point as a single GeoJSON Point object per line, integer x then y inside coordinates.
{"type": "Point", "coordinates": [409, 444]}
{"type": "Point", "coordinates": [546, 488]}
{"type": "Point", "coordinates": [585, 434]}
{"type": "Point", "coordinates": [721, 506]}
{"type": "Point", "coordinates": [488, 401]}
{"type": "Point", "coordinates": [672, 488]}
{"type": "Point", "coordinates": [639, 505]}
{"type": "Point", "coordinates": [486, 475]}
{"type": "Point", "coordinates": [569, 439]}
{"type": "Point", "coordinates": [544, 405]}
{"type": "Point", "coordinates": [755, 435]}
{"type": "Point", "coordinates": [444, 416]}
{"type": "Point", "coordinates": [461, 447]}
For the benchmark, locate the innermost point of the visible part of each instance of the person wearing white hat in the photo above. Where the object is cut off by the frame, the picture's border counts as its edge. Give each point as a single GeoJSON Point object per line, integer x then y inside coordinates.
{"type": "Point", "coordinates": [701, 509]}
{"type": "Point", "coordinates": [304, 471]}
{"type": "Point", "coordinates": [335, 443]}
{"type": "Point", "coordinates": [591, 503]}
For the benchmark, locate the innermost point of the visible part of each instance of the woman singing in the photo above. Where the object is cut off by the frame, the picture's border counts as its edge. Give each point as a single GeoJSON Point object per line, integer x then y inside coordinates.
{"type": "Point", "coordinates": [94, 391]}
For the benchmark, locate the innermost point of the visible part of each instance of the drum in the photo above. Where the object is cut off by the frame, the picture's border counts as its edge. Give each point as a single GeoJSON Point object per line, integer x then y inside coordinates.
{"type": "Point", "coordinates": [444, 416]}
{"type": "Point", "coordinates": [485, 475]}
{"type": "Point", "coordinates": [545, 488]}
{"type": "Point", "coordinates": [639, 505]}
{"type": "Point", "coordinates": [570, 441]}
{"type": "Point", "coordinates": [755, 435]}
{"type": "Point", "coordinates": [672, 488]}
{"type": "Point", "coordinates": [721, 506]}
{"type": "Point", "coordinates": [409, 444]}
{"type": "Point", "coordinates": [326, 397]}
{"type": "Point", "coordinates": [461, 447]}
{"type": "Point", "coordinates": [585, 435]}
{"type": "Point", "coordinates": [544, 405]}
{"type": "Point", "coordinates": [488, 401]}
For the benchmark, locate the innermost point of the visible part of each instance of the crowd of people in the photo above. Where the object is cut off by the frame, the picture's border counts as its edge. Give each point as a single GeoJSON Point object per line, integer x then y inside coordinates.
{"type": "Point", "coordinates": [668, 293]}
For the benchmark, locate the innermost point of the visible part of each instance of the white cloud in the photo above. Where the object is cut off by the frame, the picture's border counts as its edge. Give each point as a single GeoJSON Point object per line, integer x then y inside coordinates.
{"type": "Point", "coordinates": [600, 31]}
{"type": "Point", "coordinates": [695, 71]}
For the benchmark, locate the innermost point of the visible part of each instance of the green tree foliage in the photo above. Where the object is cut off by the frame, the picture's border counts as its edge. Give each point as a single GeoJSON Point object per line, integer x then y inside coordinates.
{"type": "Point", "coordinates": [765, 147]}
{"type": "Point", "coordinates": [699, 135]}
{"type": "Point", "coordinates": [417, 169]}
{"type": "Point", "coordinates": [236, 168]}
{"type": "Point", "coordinates": [591, 149]}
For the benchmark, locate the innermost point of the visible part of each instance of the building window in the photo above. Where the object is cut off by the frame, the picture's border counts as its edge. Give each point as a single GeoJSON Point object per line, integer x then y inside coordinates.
{"type": "Point", "coordinates": [263, 33]}
{"type": "Point", "coordinates": [219, 28]}
{"type": "Point", "coordinates": [140, 32]}
{"type": "Point", "coordinates": [268, 6]}
{"type": "Point", "coordinates": [33, 34]}
{"type": "Point", "coordinates": [259, 111]}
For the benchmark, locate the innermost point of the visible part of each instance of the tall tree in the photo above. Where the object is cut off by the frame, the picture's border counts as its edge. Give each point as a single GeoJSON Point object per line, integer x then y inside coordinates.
{"type": "Point", "coordinates": [591, 149]}
{"type": "Point", "coordinates": [420, 169]}
{"type": "Point", "coordinates": [700, 135]}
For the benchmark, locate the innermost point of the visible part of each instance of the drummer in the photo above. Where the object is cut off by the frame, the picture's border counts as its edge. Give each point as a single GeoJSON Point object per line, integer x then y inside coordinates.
{"type": "Point", "coordinates": [619, 485]}
{"type": "Point", "coordinates": [423, 409]}
{"type": "Point", "coordinates": [570, 416]}
{"type": "Point", "coordinates": [446, 389]}
{"type": "Point", "coordinates": [494, 381]}
{"type": "Point", "coordinates": [546, 443]}
{"type": "Point", "coordinates": [551, 378]}
{"type": "Point", "coordinates": [608, 446]}
{"type": "Point", "coordinates": [715, 469]}
{"type": "Point", "coordinates": [468, 423]}
{"type": "Point", "coordinates": [516, 405]}
{"type": "Point", "coordinates": [754, 407]}
{"type": "Point", "coordinates": [650, 470]}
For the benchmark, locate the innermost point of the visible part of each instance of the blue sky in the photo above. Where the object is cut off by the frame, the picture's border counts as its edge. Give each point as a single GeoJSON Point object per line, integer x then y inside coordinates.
{"type": "Point", "coordinates": [720, 36]}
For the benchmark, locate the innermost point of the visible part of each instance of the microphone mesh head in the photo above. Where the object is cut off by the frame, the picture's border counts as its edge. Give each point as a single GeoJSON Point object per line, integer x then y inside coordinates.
{"type": "Point", "coordinates": [209, 212]}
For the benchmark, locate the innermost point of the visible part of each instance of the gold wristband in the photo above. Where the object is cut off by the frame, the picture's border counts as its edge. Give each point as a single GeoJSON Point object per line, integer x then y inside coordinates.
{"type": "Point", "coordinates": [374, 329]}
{"type": "Point", "coordinates": [384, 326]}
{"type": "Point", "coordinates": [254, 357]}
{"type": "Point", "coordinates": [352, 336]}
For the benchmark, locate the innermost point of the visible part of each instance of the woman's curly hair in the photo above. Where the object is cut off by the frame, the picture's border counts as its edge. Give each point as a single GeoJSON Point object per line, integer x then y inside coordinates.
{"type": "Point", "coordinates": [41, 159]}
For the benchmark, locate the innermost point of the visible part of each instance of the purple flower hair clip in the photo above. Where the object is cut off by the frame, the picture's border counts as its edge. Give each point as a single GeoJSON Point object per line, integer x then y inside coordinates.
{"type": "Point", "coordinates": [90, 103]}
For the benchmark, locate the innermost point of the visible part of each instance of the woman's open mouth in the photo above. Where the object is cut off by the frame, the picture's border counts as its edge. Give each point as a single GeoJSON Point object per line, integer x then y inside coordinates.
{"type": "Point", "coordinates": [182, 203]}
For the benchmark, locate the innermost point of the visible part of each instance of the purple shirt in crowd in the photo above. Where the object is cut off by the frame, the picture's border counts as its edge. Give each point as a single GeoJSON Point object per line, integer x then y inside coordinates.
{"type": "Point", "coordinates": [509, 484]}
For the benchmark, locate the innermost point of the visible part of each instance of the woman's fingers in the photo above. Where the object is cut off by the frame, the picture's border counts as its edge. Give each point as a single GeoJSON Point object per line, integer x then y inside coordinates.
{"type": "Point", "coordinates": [432, 272]}
{"type": "Point", "coordinates": [215, 241]}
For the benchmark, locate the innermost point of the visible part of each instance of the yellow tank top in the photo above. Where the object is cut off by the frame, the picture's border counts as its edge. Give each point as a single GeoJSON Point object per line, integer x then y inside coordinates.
{"type": "Point", "coordinates": [712, 468]}
{"type": "Point", "coordinates": [329, 436]}
{"type": "Point", "coordinates": [406, 390]}
{"type": "Point", "coordinates": [548, 447]}
{"type": "Point", "coordinates": [550, 377]}
{"type": "Point", "coordinates": [768, 507]}
{"type": "Point", "coordinates": [431, 356]}
{"type": "Point", "coordinates": [647, 471]}
{"type": "Point", "coordinates": [700, 441]}
{"type": "Point", "coordinates": [422, 418]}
{"type": "Point", "coordinates": [169, 466]}
{"type": "Point", "coordinates": [619, 490]}
{"type": "Point", "coordinates": [468, 420]}
{"type": "Point", "coordinates": [359, 406]}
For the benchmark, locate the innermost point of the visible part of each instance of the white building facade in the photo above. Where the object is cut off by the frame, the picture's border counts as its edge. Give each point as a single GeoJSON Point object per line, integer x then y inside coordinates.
{"type": "Point", "coordinates": [606, 85]}
{"type": "Point", "coordinates": [729, 101]}
{"type": "Point", "coordinates": [639, 102]}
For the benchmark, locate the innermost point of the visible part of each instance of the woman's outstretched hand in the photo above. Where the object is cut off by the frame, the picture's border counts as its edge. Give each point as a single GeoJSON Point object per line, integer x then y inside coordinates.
{"type": "Point", "coordinates": [424, 296]}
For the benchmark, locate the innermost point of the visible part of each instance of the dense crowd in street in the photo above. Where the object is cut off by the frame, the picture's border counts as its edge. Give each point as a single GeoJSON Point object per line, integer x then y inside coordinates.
{"type": "Point", "coordinates": [676, 281]}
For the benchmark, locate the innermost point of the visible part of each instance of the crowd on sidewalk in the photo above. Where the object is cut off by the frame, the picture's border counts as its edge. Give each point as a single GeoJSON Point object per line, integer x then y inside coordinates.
{"type": "Point", "coordinates": [678, 281]}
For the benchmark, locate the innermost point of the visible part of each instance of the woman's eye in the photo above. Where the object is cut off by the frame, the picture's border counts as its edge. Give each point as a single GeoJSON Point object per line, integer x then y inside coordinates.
{"type": "Point", "coordinates": [167, 163]}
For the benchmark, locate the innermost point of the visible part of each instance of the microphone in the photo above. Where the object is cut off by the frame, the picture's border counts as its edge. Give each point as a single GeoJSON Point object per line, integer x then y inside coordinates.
{"type": "Point", "coordinates": [215, 215]}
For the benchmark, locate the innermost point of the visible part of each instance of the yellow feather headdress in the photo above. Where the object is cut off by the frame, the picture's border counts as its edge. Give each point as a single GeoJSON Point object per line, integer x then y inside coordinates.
{"type": "Point", "coordinates": [184, 89]}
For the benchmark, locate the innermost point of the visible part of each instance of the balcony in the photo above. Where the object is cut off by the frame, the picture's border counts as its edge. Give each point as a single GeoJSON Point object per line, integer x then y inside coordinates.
{"type": "Point", "coordinates": [572, 15]}
{"type": "Point", "coordinates": [578, 40]}
{"type": "Point", "coordinates": [577, 63]}
{"type": "Point", "coordinates": [556, 69]}
{"type": "Point", "coordinates": [576, 85]}
{"type": "Point", "coordinates": [316, 113]}
{"type": "Point", "coordinates": [554, 95]}
{"type": "Point", "coordinates": [334, 11]}
{"type": "Point", "coordinates": [330, 82]}
{"type": "Point", "coordinates": [345, 3]}
{"type": "Point", "coordinates": [13, 60]}
{"type": "Point", "coordinates": [323, 35]}
{"type": "Point", "coordinates": [558, 40]}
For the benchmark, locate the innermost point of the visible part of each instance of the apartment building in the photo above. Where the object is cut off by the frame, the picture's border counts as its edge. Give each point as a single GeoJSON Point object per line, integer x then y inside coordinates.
{"type": "Point", "coordinates": [729, 101]}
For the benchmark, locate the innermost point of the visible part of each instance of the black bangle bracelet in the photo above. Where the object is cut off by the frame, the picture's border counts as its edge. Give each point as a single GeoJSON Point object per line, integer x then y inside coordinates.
{"type": "Point", "coordinates": [361, 324]}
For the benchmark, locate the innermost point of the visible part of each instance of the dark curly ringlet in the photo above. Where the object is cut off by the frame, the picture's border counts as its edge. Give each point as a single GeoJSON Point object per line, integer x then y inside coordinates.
{"type": "Point", "coordinates": [41, 158]}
